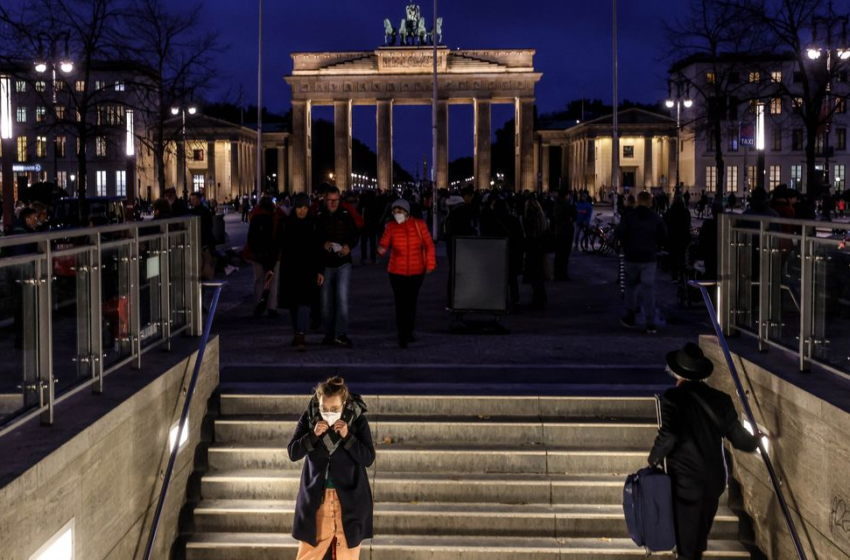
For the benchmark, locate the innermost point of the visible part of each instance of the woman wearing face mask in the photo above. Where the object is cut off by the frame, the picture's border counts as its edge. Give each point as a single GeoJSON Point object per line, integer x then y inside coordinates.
{"type": "Point", "coordinates": [412, 255]}
{"type": "Point", "coordinates": [334, 499]}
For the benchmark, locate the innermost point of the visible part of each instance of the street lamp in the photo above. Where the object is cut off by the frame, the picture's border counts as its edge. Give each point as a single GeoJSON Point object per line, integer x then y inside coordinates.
{"type": "Point", "coordinates": [678, 102]}
{"type": "Point", "coordinates": [7, 143]}
{"type": "Point", "coordinates": [191, 109]}
{"type": "Point", "coordinates": [66, 66]}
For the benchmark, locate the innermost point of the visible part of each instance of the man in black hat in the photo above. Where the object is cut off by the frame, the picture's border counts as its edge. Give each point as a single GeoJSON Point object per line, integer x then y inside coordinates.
{"type": "Point", "coordinates": [695, 419]}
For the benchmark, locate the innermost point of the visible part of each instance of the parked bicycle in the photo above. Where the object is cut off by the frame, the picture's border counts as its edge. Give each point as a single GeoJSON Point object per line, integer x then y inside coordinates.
{"type": "Point", "coordinates": [598, 238]}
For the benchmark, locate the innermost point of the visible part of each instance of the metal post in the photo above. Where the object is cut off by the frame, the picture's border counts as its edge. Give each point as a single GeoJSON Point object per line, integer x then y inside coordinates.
{"type": "Point", "coordinates": [260, 177]}
{"type": "Point", "coordinates": [185, 157]}
{"type": "Point", "coordinates": [165, 285]}
{"type": "Point", "coordinates": [764, 293]}
{"type": "Point", "coordinates": [434, 197]}
{"type": "Point", "coordinates": [615, 135]}
{"type": "Point", "coordinates": [193, 279]}
{"type": "Point", "coordinates": [806, 289]}
{"type": "Point", "coordinates": [45, 346]}
{"type": "Point", "coordinates": [678, 138]}
{"type": "Point", "coordinates": [95, 322]}
{"type": "Point", "coordinates": [135, 303]}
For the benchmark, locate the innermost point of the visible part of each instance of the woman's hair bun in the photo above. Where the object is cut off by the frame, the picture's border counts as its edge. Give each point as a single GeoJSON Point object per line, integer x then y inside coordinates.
{"type": "Point", "coordinates": [336, 381]}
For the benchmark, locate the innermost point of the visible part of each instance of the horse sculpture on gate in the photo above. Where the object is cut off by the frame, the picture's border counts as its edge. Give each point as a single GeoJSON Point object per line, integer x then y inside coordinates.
{"type": "Point", "coordinates": [412, 30]}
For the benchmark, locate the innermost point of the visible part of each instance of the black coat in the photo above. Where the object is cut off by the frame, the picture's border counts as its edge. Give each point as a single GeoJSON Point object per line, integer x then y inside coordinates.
{"type": "Point", "coordinates": [691, 441]}
{"type": "Point", "coordinates": [348, 467]}
{"type": "Point", "coordinates": [301, 262]}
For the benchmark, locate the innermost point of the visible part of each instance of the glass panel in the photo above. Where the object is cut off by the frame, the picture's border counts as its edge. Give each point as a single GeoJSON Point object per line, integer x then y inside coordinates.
{"type": "Point", "coordinates": [71, 320]}
{"type": "Point", "coordinates": [115, 304]}
{"type": "Point", "coordinates": [150, 291]}
{"type": "Point", "coordinates": [177, 269]}
{"type": "Point", "coordinates": [831, 306]}
{"type": "Point", "coordinates": [745, 297]}
{"type": "Point", "coordinates": [18, 335]}
{"type": "Point", "coordinates": [784, 286]}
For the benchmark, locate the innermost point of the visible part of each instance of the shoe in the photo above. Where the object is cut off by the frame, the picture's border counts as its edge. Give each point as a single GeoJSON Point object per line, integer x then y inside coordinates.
{"type": "Point", "coordinates": [328, 341]}
{"type": "Point", "coordinates": [651, 329]}
{"type": "Point", "coordinates": [300, 342]}
{"type": "Point", "coordinates": [628, 321]}
{"type": "Point", "coordinates": [344, 341]}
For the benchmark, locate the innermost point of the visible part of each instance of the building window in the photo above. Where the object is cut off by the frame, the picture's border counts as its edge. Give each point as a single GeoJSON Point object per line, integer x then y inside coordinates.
{"type": "Point", "coordinates": [774, 177]}
{"type": "Point", "coordinates": [841, 138]}
{"type": "Point", "coordinates": [732, 178]}
{"type": "Point", "coordinates": [840, 184]}
{"type": "Point", "coordinates": [60, 112]}
{"type": "Point", "coordinates": [62, 179]}
{"type": "Point", "coordinates": [197, 182]}
{"type": "Point", "coordinates": [755, 77]}
{"type": "Point", "coordinates": [40, 114]}
{"type": "Point", "coordinates": [22, 148]}
{"type": "Point", "coordinates": [628, 151]}
{"type": "Point", "coordinates": [100, 146]}
{"type": "Point", "coordinates": [99, 85]}
{"type": "Point", "coordinates": [797, 104]}
{"type": "Point", "coordinates": [797, 139]}
{"type": "Point", "coordinates": [41, 146]}
{"type": "Point", "coordinates": [22, 114]}
{"type": "Point", "coordinates": [121, 183]}
{"type": "Point", "coordinates": [59, 85]}
{"type": "Point", "coordinates": [710, 77]}
{"type": "Point", "coordinates": [840, 105]}
{"type": "Point", "coordinates": [60, 146]}
{"type": "Point", "coordinates": [40, 86]}
{"type": "Point", "coordinates": [119, 86]}
{"type": "Point", "coordinates": [820, 143]}
{"type": "Point", "coordinates": [777, 139]}
{"type": "Point", "coordinates": [710, 178]}
{"type": "Point", "coordinates": [80, 86]}
{"type": "Point", "coordinates": [752, 172]}
{"type": "Point", "coordinates": [197, 155]}
{"type": "Point", "coordinates": [733, 140]}
{"type": "Point", "coordinates": [101, 119]}
{"type": "Point", "coordinates": [797, 177]}
{"type": "Point", "coordinates": [78, 145]}
{"type": "Point", "coordinates": [20, 86]}
{"type": "Point", "coordinates": [776, 76]}
{"type": "Point", "coordinates": [776, 106]}
{"type": "Point", "coordinates": [101, 183]}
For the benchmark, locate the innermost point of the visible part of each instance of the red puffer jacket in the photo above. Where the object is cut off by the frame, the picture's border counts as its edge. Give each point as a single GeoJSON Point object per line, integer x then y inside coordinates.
{"type": "Point", "coordinates": [406, 243]}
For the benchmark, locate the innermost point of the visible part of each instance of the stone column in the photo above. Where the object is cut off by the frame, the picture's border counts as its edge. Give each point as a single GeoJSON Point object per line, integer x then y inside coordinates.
{"type": "Point", "coordinates": [483, 131]}
{"type": "Point", "coordinates": [181, 169]}
{"type": "Point", "coordinates": [234, 170]}
{"type": "Point", "coordinates": [212, 187]}
{"type": "Point", "coordinates": [565, 166]}
{"type": "Point", "coordinates": [526, 177]}
{"type": "Point", "coordinates": [281, 169]}
{"type": "Point", "coordinates": [590, 177]}
{"type": "Point", "coordinates": [442, 144]}
{"type": "Point", "coordinates": [673, 147]}
{"type": "Point", "coordinates": [342, 144]}
{"type": "Point", "coordinates": [544, 166]}
{"type": "Point", "coordinates": [384, 122]}
{"type": "Point", "coordinates": [301, 125]}
{"type": "Point", "coordinates": [648, 176]}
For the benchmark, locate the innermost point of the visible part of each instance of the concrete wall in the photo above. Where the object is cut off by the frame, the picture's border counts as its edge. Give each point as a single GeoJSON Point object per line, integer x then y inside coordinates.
{"type": "Point", "coordinates": [106, 477]}
{"type": "Point", "coordinates": [810, 448]}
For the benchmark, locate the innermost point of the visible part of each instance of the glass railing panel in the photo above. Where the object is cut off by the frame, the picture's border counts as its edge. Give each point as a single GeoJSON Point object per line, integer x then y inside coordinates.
{"type": "Point", "coordinates": [18, 340]}
{"type": "Point", "coordinates": [115, 301]}
{"type": "Point", "coordinates": [71, 319]}
{"type": "Point", "coordinates": [178, 263]}
{"type": "Point", "coordinates": [151, 285]}
{"type": "Point", "coordinates": [830, 305]}
{"type": "Point", "coordinates": [784, 282]}
{"type": "Point", "coordinates": [745, 279]}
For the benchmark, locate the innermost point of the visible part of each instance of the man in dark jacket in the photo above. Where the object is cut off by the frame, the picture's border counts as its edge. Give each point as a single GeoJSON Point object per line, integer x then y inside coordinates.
{"type": "Point", "coordinates": [694, 420]}
{"type": "Point", "coordinates": [338, 235]}
{"type": "Point", "coordinates": [564, 216]}
{"type": "Point", "coordinates": [641, 231]}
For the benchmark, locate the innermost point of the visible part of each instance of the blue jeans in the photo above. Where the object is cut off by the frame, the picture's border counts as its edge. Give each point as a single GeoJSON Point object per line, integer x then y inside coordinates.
{"type": "Point", "coordinates": [335, 301]}
{"type": "Point", "coordinates": [641, 276]}
{"type": "Point", "coordinates": [300, 318]}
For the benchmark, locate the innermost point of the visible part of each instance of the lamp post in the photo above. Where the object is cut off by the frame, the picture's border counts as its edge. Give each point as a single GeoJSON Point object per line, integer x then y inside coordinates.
{"type": "Point", "coordinates": [678, 102]}
{"type": "Point", "coordinates": [182, 111]}
{"type": "Point", "coordinates": [7, 145]}
{"type": "Point", "coordinates": [66, 66]}
{"type": "Point", "coordinates": [434, 197]}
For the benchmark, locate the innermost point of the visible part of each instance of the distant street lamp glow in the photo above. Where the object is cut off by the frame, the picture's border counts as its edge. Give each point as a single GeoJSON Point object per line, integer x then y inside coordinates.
{"type": "Point", "coordinates": [193, 110]}
{"type": "Point", "coordinates": [130, 143]}
{"type": "Point", "coordinates": [5, 107]}
{"type": "Point", "coordinates": [813, 54]}
{"type": "Point", "coordinates": [843, 54]}
{"type": "Point", "coordinates": [175, 111]}
{"type": "Point", "coordinates": [67, 67]}
{"type": "Point", "coordinates": [670, 103]}
{"type": "Point", "coordinates": [688, 103]}
{"type": "Point", "coordinates": [41, 67]}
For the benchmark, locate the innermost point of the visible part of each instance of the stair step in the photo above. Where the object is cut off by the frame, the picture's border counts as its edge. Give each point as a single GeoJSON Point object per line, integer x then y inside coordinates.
{"type": "Point", "coordinates": [281, 546]}
{"type": "Point", "coordinates": [574, 520]}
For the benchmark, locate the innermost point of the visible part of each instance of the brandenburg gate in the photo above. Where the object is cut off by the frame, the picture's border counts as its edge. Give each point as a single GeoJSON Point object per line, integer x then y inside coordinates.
{"type": "Point", "coordinates": [403, 75]}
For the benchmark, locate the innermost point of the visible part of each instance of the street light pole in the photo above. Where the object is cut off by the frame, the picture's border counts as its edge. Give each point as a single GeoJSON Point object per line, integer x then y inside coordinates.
{"type": "Point", "coordinates": [615, 130]}
{"type": "Point", "coordinates": [7, 146]}
{"type": "Point", "coordinates": [182, 111]}
{"type": "Point", "coordinates": [434, 197]}
{"type": "Point", "coordinates": [260, 177]}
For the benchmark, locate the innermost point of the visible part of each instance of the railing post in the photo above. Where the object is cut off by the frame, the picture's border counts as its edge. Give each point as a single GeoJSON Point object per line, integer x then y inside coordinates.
{"type": "Point", "coordinates": [806, 290]}
{"type": "Point", "coordinates": [725, 274]}
{"type": "Point", "coordinates": [135, 303]}
{"type": "Point", "coordinates": [45, 334]}
{"type": "Point", "coordinates": [96, 316]}
{"type": "Point", "coordinates": [193, 279]}
{"type": "Point", "coordinates": [165, 286]}
{"type": "Point", "coordinates": [764, 293]}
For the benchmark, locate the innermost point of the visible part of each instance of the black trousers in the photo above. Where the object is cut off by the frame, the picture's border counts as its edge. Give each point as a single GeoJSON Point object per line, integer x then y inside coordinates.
{"type": "Point", "coordinates": [563, 248]}
{"type": "Point", "coordinates": [406, 292]}
{"type": "Point", "coordinates": [369, 245]}
{"type": "Point", "coordinates": [695, 505]}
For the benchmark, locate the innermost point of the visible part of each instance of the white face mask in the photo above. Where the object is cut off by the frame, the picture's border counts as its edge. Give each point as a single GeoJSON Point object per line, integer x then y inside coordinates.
{"type": "Point", "coordinates": [400, 218]}
{"type": "Point", "coordinates": [331, 417]}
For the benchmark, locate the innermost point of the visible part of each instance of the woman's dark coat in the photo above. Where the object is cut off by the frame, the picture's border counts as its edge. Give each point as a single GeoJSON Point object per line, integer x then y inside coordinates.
{"type": "Point", "coordinates": [348, 466]}
{"type": "Point", "coordinates": [300, 262]}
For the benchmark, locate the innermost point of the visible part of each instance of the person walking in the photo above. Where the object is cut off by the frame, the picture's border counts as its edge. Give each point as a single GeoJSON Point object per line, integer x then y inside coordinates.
{"type": "Point", "coordinates": [263, 250]}
{"type": "Point", "coordinates": [584, 212]}
{"type": "Point", "coordinates": [338, 235]}
{"type": "Point", "coordinates": [334, 497]}
{"type": "Point", "coordinates": [564, 217]}
{"type": "Point", "coordinates": [640, 232]}
{"type": "Point", "coordinates": [537, 242]}
{"type": "Point", "coordinates": [678, 222]}
{"type": "Point", "coordinates": [301, 272]}
{"type": "Point", "coordinates": [412, 256]}
{"type": "Point", "coordinates": [695, 418]}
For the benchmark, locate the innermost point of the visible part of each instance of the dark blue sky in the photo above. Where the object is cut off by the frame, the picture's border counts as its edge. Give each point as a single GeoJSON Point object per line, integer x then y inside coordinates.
{"type": "Point", "coordinates": [572, 39]}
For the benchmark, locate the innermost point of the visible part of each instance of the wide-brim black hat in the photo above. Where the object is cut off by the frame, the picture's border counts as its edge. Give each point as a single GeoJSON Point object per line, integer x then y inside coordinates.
{"type": "Point", "coordinates": [690, 363]}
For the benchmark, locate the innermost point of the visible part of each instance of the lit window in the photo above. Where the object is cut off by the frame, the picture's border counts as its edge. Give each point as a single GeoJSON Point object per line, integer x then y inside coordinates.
{"type": "Point", "coordinates": [774, 176]}
{"type": "Point", "coordinates": [100, 146]}
{"type": "Point", "coordinates": [22, 114]}
{"type": "Point", "coordinates": [101, 119]}
{"type": "Point", "coordinates": [197, 182]}
{"type": "Point", "coordinates": [733, 140]}
{"type": "Point", "coordinates": [99, 85]}
{"type": "Point", "coordinates": [61, 142]}
{"type": "Point", "coordinates": [20, 86]}
{"type": "Point", "coordinates": [80, 85]}
{"type": "Point", "coordinates": [60, 112]}
{"type": "Point", "coordinates": [839, 178]}
{"type": "Point", "coordinates": [41, 146]}
{"type": "Point", "coordinates": [755, 77]}
{"type": "Point", "coordinates": [78, 115]}
{"type": "Point", "coordinates": [78, 145]}
{"type": "Point", "coordinates": [59, 85]}
{"type": "Point", "coordinates": [22, 148]}
{"type": "Point", "coordinates": [100, 178]}
{"type": "Point", "coordinates": [797, 177]}
{"type": "Point", "coordinates": [197, 155]}
{"type": "Point", "coordinates": [751, 176]}
{"type": "Point", "coordinates": [119, 86]}
{"type": "Point", "coordinates": [40, 86]}
{"type": "Point", "coordinates": [776, 76]}
{"type": "Point", "coordinates": [710, 178]}
{"type": "Point", "coordinates": [776, 106]}
{"type": "Point", "coordinates": [121, 183]}
{"type": "Point", "coordinates": [62, 179]}
{"type": "Point", "coordinates": [840, 105]}
{"type": "Point", "coordinates": [797, 103]}
{"type": "Point", "coordinates": [732, 178]}
{"type": "Point", "coordinates": [710, 77]}
{"type": "Point", "coordinates": [40, 114]}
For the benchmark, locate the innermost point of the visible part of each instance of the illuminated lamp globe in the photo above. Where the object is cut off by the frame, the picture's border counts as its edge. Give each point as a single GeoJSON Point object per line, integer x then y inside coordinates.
{"type": "Point", "coordinates": [175, 111]}
{"type": "Point", "coordinates": [688, 103]}
{"type": "Point", "coordinates": [66, 67]}
{"type": "Point", "coordinates": [670, 103]}
{"type": "Point", "coordinates": [40, 67]}
{"type": "Point", "coordinates": [193, 110]}
{"type": "Point", "coordinates": [813, 54]}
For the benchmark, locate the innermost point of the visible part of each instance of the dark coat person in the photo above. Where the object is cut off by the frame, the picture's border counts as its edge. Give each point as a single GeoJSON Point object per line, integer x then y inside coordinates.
{"type": "Point", "coordinates": [695, 419]}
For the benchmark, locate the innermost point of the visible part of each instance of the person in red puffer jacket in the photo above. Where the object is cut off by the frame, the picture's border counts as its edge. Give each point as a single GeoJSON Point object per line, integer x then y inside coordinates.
{"type": "Point", "coordinates": [412, 256]}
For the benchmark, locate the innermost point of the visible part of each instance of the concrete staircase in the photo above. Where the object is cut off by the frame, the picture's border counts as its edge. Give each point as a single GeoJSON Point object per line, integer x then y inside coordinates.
{"type": "Point", "coordinates": [496, 478]}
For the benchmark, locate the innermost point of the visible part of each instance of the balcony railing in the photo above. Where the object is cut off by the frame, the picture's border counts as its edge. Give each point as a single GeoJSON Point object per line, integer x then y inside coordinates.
{"type": "Point", "coordinates": [76, 305]}
{"type": "Point", "coordinates": [787, 283]}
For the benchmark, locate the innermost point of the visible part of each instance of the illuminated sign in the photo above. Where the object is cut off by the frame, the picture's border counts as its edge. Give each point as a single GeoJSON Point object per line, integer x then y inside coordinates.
{"type": "Point", "coordinates": [25, 168]}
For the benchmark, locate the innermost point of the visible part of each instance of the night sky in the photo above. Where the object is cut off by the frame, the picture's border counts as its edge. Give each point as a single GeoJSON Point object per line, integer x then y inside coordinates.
{"type": "Point", "coordinates": [572, 39]}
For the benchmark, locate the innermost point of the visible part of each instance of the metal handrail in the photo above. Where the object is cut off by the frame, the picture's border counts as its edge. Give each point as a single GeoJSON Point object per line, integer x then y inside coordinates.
{"type": "Point", "coordinates": [172, 459]}
{"type": "Point", "coordinates": [745, 403]}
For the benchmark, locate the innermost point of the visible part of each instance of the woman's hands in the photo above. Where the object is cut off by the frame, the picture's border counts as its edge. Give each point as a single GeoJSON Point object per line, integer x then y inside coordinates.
{"type": "Point", "coordinates": [339, 427]}
{"type": "Point", "coordinates": [321, 428]}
